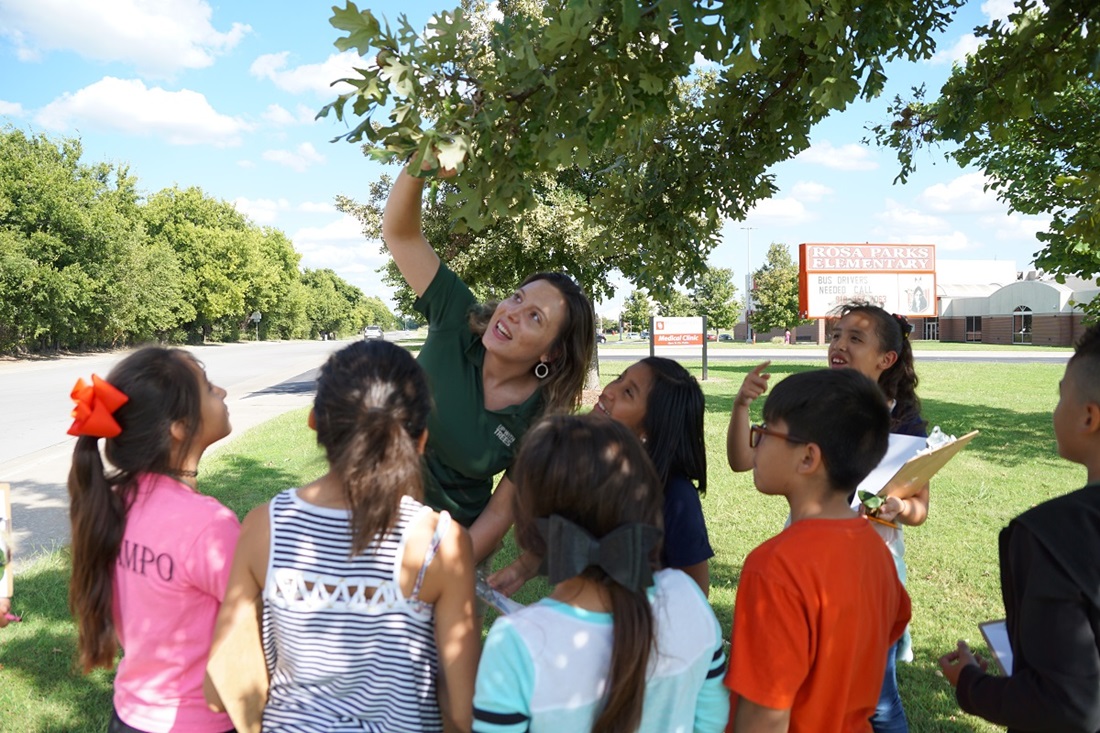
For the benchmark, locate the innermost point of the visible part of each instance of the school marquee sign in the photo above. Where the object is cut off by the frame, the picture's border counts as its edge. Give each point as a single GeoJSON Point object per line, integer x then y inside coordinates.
{"type": "Point", "coordinates": [899, 277]}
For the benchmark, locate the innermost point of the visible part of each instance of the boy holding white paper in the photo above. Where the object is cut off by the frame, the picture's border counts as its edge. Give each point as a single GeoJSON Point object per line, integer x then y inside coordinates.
{"type": "Point", "coordinates": [1050, 582]}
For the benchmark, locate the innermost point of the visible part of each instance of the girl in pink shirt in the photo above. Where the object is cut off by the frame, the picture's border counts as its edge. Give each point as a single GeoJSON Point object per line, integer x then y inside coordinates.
{"type": "Point", "coordinates": [151, 555]}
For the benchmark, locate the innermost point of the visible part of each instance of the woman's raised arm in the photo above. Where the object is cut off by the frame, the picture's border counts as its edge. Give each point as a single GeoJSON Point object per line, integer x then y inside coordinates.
{"type": "Point", "coordinates": [404, 235]}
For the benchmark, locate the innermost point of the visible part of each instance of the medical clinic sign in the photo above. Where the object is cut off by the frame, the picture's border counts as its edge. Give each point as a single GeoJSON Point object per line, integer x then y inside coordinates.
{"type": "Point", "coordinates": [677, 331]}
{"type": "Point", "coordinates": [899, 277]}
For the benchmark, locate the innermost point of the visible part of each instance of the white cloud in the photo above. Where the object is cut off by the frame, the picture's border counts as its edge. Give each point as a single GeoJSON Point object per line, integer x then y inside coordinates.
{"type": "Point", "coordinates": [850, 157]}
{"type": "Point", "coordinates": [127, 106]}
{"type": "Point", "coordinates": [277, 115]}
{"type": "Point", "coordinates": [702, 62]}
{"type": "Point", "coordinates": [246, 164]}
{"type": "Point", "coordinates": [895, 217]}
{"type": "Point", "coordinates": [306, 115]}
{"type": "Point", "coordinates": [341, 247]}
{"type": "Point", "coordinates": [345, 230]}
{"type": "Point", "coordinates": [11, 109]}
{"type": "Point", "coordinates": [965, 194]}
{"type": "Point", "coordinates": [778, 211]}
{"type": "Point", "coordinates": [301, 158]}
{"type": "Point", "coordinates": [316, 207]}
{"type": "Point", "coordinates": [159, 37]}
{"type": "Point", "coordinates": [810, 191]}
{"type": "Point", "coordinates": [261, 211]}
{"type": "Point", "coordinates": [903, 225]}
{"type": "Point", "coordinates": [968, 44]}
{"type": "Point", "coordinates": [963, 47]}
{"type": "Point", "coordinates": [1015, 227]}
{"type": "Point", "coordinates": [282, 117]}
{"type": "Point", "coordinates": [316, 78]}
{"type": "Point", "coordinates": [953, 241]}
{"type": "Point", "coordinates": [1000, 9]}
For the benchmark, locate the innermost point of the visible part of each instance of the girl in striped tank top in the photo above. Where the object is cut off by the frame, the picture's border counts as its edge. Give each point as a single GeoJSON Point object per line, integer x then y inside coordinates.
{"type": "Point", "coordinates": [367, 594]}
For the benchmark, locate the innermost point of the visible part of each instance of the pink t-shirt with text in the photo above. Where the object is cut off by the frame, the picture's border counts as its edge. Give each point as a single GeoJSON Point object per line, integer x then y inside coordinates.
{"type": "Point", "coordinates": [169, 581]}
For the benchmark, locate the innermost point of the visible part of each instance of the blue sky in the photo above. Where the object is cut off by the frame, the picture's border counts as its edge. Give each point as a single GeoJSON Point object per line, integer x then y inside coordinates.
{"type": "Point", "coordinates": [222, 95]}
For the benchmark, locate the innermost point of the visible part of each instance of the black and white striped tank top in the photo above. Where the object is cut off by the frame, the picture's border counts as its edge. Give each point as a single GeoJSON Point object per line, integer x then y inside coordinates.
{"type": "Point", "coordinates": [340, 660]}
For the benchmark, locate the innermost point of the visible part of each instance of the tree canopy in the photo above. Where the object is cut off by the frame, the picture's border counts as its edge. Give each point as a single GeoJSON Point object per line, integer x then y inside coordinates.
{"type": "Point", "coordinates": [637, 310]}
{"type": "Point", "coordinates": [715, 297]}
{"type": "Point", "coordinates": [775, 292]}
{"type": "Point", "coordinates": [86, 261]}
{"type": "Point", "coordinates": [1025, 108]}
{"type": "Point", "coordinates": [665, 117]}
{"type": "Point", "coordinates": [549, 236]}
{"type": "Point", "coordinates": [676, 304]}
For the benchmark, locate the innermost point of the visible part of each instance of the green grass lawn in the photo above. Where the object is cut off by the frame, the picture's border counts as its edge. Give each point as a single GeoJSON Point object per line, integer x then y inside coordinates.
{"type": "Point", "coordinates": [953, 576]}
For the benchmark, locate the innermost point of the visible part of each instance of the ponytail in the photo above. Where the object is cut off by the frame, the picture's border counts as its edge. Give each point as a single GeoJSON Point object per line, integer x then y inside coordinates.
{"type": "Point", "coordinates": [899, 383]}
{"type": "Point", "coordinates": [370, 411]}
{"type": "Point", "coordinates": [162, 387]}
{"type": "Point", "coordinates": [98, 515]}
{"type": "Point", "coordinates": [632, 643]}
{"type": "Point", "coordinates": [379, 465]}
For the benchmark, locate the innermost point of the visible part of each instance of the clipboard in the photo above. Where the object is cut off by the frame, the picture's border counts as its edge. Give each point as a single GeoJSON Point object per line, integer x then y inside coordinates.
{"type": "Point", "coordinates": [238, 670]}
{"type": "Point", "coordinates": [920, 469]}
{"type": "Point", "coordinates": [7, 582]}
{"type": "Point", "coordinates": [996, 638]}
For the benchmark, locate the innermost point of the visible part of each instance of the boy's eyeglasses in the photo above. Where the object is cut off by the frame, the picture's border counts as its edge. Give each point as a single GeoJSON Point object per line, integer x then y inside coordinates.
{"type": "Point", "coordinates": [756, 432]}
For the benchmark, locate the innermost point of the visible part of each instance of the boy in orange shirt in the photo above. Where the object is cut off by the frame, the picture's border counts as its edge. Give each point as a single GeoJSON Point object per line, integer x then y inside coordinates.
{"type": "Point", "coordinates": [819, 604]}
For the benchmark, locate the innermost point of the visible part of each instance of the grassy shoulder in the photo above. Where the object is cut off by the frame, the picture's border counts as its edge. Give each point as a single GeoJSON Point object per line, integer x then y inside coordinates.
{"type": "Point", "coordinates": [952, 558]}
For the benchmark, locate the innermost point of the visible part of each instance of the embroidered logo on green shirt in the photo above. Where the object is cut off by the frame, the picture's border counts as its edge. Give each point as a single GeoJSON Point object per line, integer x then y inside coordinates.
{"type": "Point", "coordinates": [505, 437]}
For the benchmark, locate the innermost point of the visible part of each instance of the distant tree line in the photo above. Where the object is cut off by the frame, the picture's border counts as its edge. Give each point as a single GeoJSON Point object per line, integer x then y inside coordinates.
{"type": "Point", "coordinates": [88, 261]}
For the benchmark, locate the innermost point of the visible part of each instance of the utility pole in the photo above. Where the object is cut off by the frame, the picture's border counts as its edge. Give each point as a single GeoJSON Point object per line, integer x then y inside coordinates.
{"type": "Point", "coordinates": [748, 282]}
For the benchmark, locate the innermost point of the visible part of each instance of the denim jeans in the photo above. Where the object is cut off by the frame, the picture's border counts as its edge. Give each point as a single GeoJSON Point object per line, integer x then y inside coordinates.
{"type": "Point", "coordinates": [889, 715]}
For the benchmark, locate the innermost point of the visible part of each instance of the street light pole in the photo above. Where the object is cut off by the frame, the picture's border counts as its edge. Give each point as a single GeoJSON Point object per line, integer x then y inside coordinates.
{"type": "Point", "coordinates": [748, 282]}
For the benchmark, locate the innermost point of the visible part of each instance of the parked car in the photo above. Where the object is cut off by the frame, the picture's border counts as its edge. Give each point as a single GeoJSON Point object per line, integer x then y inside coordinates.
{"type": "Point", "coordinates": [601, 338]}
{"type": "Point", "coordinates": [711, 337]}
{"type": "Point", "coordinates": [645, 334]}
{"type": "Point", "coordinates": [373, 332]}
{"type": "Point", "coordinates": [725, 337]}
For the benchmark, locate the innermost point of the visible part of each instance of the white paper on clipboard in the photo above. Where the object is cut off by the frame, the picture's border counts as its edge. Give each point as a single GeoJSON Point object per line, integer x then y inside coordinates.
{"type": "Point", "coordinates": [900, 450]}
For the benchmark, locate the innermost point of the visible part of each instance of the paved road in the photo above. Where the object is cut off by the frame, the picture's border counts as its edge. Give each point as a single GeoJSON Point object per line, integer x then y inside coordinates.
{"type": "Point", "coordinates": [632, 352]}
{"type": "Point", "coordinates": [264, 380]}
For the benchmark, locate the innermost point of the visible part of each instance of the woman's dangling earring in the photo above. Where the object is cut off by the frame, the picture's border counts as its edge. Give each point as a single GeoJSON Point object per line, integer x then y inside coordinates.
{"type": "Point", "coordinates": [542, 370]}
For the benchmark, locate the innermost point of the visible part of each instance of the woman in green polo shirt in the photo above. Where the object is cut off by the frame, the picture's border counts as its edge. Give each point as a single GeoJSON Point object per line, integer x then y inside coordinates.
{"type": "Point", "coordinates": [490, 377]}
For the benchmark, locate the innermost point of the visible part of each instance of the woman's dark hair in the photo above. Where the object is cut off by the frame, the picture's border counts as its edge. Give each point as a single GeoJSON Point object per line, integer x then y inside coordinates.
{"type": "Point", "coordinates": [163, 387]}
{"type": "Point", "coordinates": [899, 382]}
{"type": "Point", "coordinates": [572, 349]}
{"type": "Point", "coordinates": [673, 422]}
{"type": "Point", "coordinates": [595, 473]}
{"type": "Point", "coordinates": [840, 410]}
{"type": "Point", "coordinates": [371, 408]}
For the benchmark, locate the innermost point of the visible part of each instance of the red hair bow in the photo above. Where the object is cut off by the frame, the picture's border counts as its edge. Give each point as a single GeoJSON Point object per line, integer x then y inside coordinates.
{"type": "Point", "coordinates": [95, 407]}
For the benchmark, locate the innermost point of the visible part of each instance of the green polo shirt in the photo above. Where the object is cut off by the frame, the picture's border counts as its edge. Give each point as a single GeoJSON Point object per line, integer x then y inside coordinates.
{"type": "Point", "coordinates": [467, 444]}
